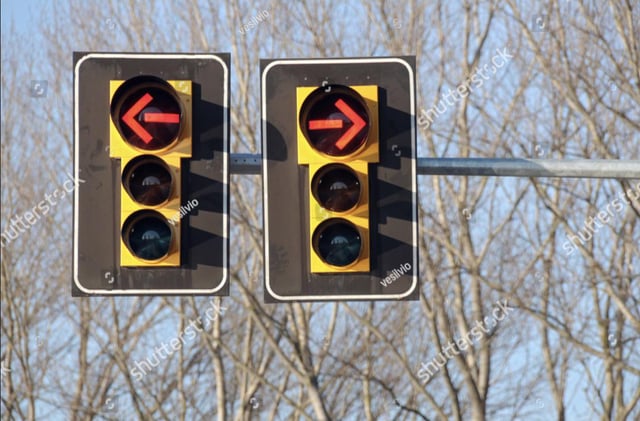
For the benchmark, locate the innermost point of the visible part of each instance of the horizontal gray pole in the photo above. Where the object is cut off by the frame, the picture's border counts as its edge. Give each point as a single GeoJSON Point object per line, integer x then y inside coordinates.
{"type": "Point", "coordinates": [519, 167]}
{"type": "Point", "coordinates": [500, 167]}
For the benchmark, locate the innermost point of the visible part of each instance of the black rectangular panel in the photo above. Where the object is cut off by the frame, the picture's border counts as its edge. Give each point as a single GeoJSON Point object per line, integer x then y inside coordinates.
{"type": "Point", "coordinates": [393, 190]}
{"type": "Point", "coordinates": [204, 230]}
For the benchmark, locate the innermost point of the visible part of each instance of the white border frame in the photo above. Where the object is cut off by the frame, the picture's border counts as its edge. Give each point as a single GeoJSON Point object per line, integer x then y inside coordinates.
{"type": "Point", "coordinates": [265, 181]}
{"type": "Point", "coordinates": [225, 223]}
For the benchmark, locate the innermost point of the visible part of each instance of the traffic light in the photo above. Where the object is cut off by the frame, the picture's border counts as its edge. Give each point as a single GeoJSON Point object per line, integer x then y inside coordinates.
{"type": "Point", "coordinates": [151, 145]}
{"type": "Point", "coordinates": [337, 137]}
{"type": "Point", "coordinates": [339, 178]}
{"type": "Point", "coordinates": [150, 132]}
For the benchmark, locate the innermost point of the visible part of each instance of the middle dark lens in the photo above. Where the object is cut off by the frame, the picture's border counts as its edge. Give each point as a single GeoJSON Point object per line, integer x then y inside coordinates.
{"type": "Point", "coordinates": [336, 188]}
{"type": "Point", "coordinates": [148, 181]}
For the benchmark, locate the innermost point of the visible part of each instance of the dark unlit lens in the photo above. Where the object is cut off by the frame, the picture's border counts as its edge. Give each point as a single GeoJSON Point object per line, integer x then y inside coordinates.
{"type": "Point", "coordinates": [337, 242]}
{"type": "Point", "coordinates": [148, 181]}
{"type": "Point", "coordinates": [148, 236]}
{"type": "Point", "coordinates": [336, 188]}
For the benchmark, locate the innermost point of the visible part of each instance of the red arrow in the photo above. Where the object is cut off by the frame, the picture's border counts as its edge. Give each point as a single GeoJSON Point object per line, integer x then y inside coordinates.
{"type": "Point", "coordinates": [129, 118]}
{"type": "Point", "coordinates": [347, 137]}
{"type": "Point", "coordinates": [325, 124]}
{"type": "Point", "coordinates": [358, 124]}
{"type": "Point", "coordinates": [161, 118]}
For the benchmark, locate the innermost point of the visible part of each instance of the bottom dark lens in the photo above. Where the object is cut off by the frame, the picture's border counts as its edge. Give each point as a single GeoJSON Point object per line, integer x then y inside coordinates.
{"type": "Point", "coordinates": [148, 235]}
{"type": "Point", "coordinates": [337, 242]}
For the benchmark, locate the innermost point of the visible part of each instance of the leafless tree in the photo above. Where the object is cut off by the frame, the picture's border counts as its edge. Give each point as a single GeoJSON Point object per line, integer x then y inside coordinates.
{"type": "Point", "coordinates": [568, 86]}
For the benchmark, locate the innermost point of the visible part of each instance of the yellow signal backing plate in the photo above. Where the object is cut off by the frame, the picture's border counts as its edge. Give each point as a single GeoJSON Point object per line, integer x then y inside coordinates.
{"type": "Point", "coordinates": [172, 156]}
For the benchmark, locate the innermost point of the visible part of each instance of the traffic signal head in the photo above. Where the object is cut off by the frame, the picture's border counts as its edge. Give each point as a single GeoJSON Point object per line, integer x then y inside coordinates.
{"type": "Point", "coordinates": [152, 146]}
{"type": "Point", "coordinates": [150, 133]}
{"type": "Point", "coordinates": [337, 123]}
{"type": "Point", "coordinates": [339, 179]}
{"type": "Point", "coordinates": [337, 139]}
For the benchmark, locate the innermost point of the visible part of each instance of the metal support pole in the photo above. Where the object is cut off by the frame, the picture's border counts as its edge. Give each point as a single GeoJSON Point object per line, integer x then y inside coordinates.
{"type": "Point", "coordinates": [245, 163]}
{"type": "Point", "coordinates": [498, 167]}
{"type": "Point", "coordinates": [518, 167]}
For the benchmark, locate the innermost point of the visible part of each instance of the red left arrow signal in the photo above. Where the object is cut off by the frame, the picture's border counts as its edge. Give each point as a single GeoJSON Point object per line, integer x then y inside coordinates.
{"type": "Point", "coordinates": [129, 118]}
{"type": "Point", "coordinates": [347, 137]}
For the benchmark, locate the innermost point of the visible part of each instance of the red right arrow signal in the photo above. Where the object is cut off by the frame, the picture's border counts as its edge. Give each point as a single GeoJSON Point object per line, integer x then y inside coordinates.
{"type": "Point", "coordinates": [347, 137]}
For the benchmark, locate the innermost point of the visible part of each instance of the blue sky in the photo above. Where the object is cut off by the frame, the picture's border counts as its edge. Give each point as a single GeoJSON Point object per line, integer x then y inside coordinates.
{"type": "Point", "coordinates": [24, 14]}
{"type": "Point", "coordinates": [20, 11]}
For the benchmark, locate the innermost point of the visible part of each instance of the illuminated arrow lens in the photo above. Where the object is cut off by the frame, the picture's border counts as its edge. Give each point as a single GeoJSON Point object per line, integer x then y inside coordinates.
{"type": "Point", "coordinates": [148, 180]}
{"type": "Point", "coordinates": [147, 235]}
{"type": "Point", "coordinates": [336, 187]}
{"type": "Point", "coordinates": [337, 242]}
{"type": "Point", "coordinates": [335, 123]}
{"type": "Point", "coordinates": [149, 117]}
